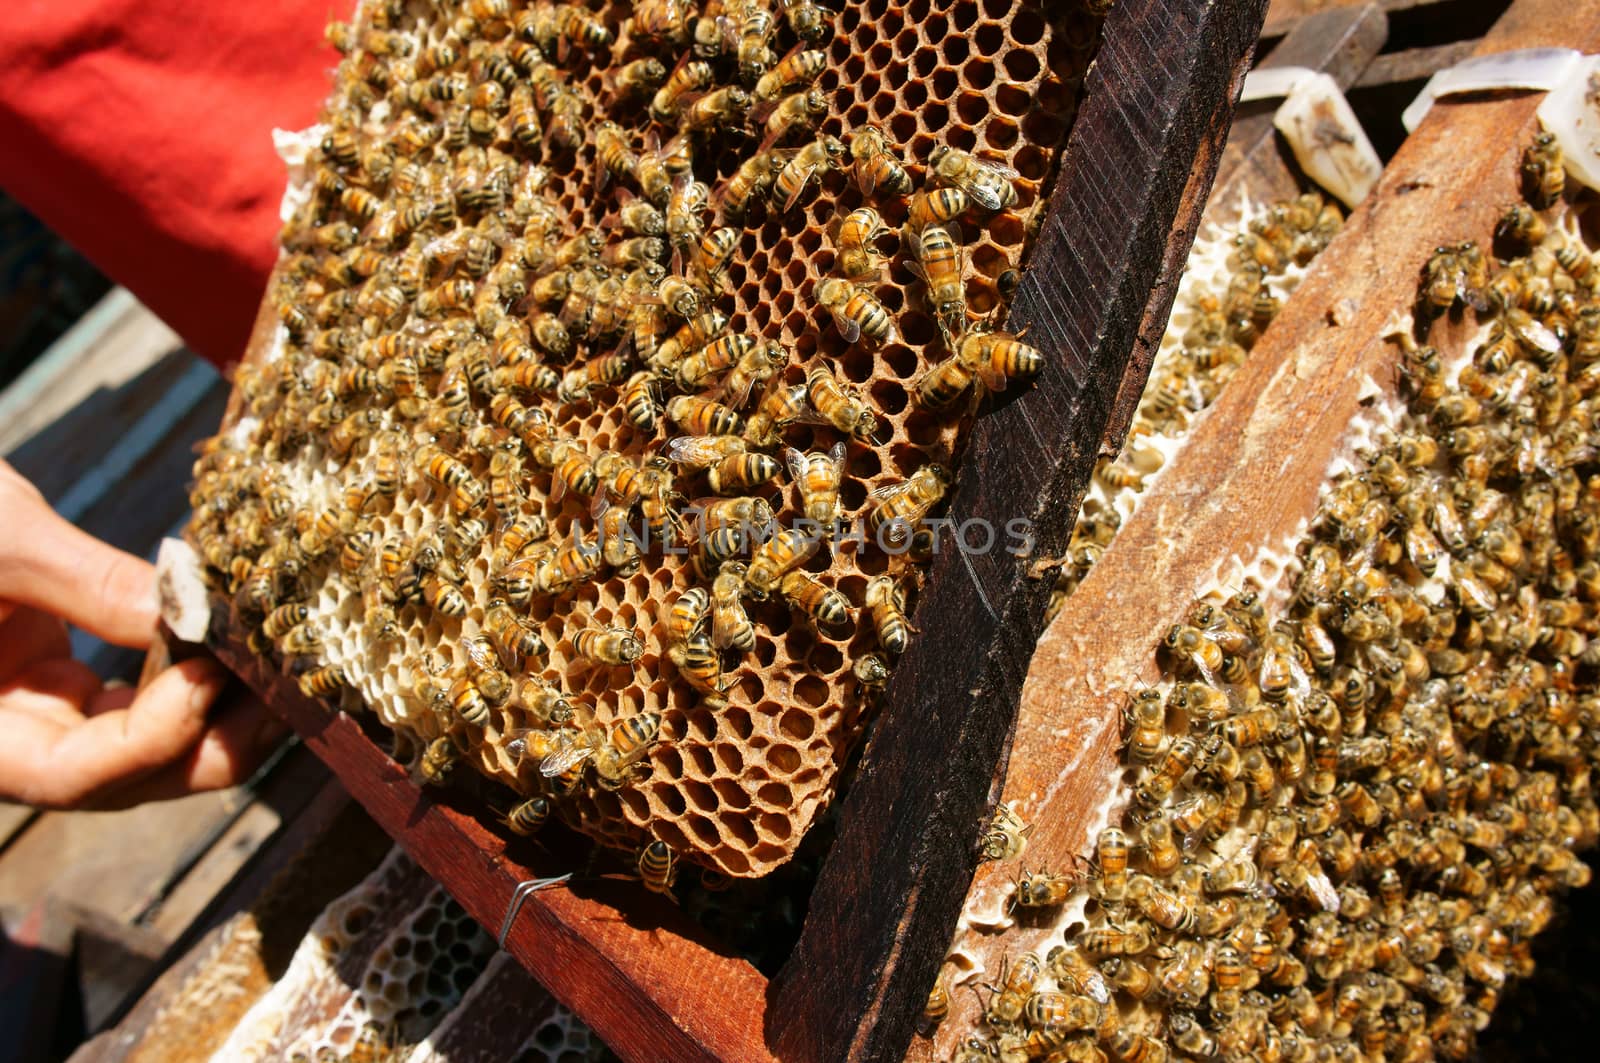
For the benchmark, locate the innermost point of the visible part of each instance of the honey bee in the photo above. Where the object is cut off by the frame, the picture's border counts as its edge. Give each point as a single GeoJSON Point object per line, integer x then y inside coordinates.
{"type": "Point", "coordinates": [300, 640]}
{"type": "Point", "coordinates": [802, 110]}
{"type": "Point", "coordinates": [749, 184]}
{"type": "Point", "coordinates": [1544, 175]}
{"type": "Point", "coordinates": [545, 700]}
{"type": "Point", "coordinates": [731, 628]}
{"type": "Point", "coordinates": [856, 311]}
{"type": "Point", "coordinates": [935, 207]}
{"type": "Point", "coordinates": [800, 167]}
{"type": "Point", "coordinates": [855, 256]}
{"type": "Point", "coordinates": [825, 606]}
{"type": "Point", "coordinates": [1017, 982]}
{"type": "Point", "coordinates": [657, 869]}
{"type": "Point", "coordinates": [876, 165]}
{"type": "Point", "coordinates": [443, 596]}
{"type": "Point", "coordinates": [526, 818]}
{"type": "Point", "coordinates": [901, 507]}
{"type": "Point", "coordinates": [741, 471]}
{"type": "Point", "coordinates": [437, 759]}
{"type": "Point", "coordinates": [1145, 718]}
{"type": "Point", "coordinates": [515, 638]}
{"type": "Point", "coordinates": [937, 1008]}
{"type": "Point", "coordinates": [624, 747]}
{"type": "Point", "coordinates": [640, 400]}
{"type": "Point", "coordinates": [780, 407]}
{"type": "Point", "coordinates": [939, 264]}
{"type": "Point", "coordinates": [614, 152]}
{"type": "Point", "coordinates": [610, 646]}
{"type": "Point", "coordinates": [710, 257]}
{"type": "Point", "coordinates": [663, 22]}
{"type": "Point", "coordinates": [280, 620]}
{"type": "Point", "coordinates": [885, 600]}
{"type": "Point", "coordinates": [799, 67]}
{"type": "Point", "coordinates": [703, 452]}
{"type": "Point", "coordinates": [1161, 853]}
{"type": "Point", "coordinates": [987, 183]}
{"type": "Point", "coordinates": [686, 617]}
{"type": "Point", "coordinates": [1159, 783]}
{"type": "Point", "coordinates": [659, 169]}
{"type": "Point", "coordinates": [467, 494]}
{"type": "Point", "coordinates": [323, 682]}
{"type": "Point", "coordinates": [720, 109]}
{"type": "Point", "coordinates": [671, 98]}
{"type": "Point", "coordinates": [698, 661]}
{"type": "Point", "coordinates": [817, 477]}
{"type": "Point", "coordinates": [781, 554]}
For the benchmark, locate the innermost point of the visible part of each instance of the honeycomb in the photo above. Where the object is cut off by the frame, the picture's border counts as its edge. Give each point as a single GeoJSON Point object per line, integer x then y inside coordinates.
{"type": "Point", "coordinates": [1347, 818]}
{"type": "Point", "coordinates": [1238, 275]}
{"type": "Point", "coordinates": [429, 127]}
{"type": "Point", "coordinates": [385, 962]}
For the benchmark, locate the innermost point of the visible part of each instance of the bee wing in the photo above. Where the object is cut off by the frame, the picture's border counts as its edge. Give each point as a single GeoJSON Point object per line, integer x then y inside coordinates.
{"type": "Point", "coordinates": [806, 173]}
{"type": "Point", "coordinates": [725, 625]}
{"type": "Point", "coordinates": [998, 167]}
{"type": "Point", "coordinates": [984, 195]}
{"type": "Point", "coordinates": [866, 179]}
{"type": "Point", "coordinates": [888, 491]}
{"type": "Point", "coordinates": [797, 464]}
{"type": "Point", "coordinates": [600, 502]}
{"type": "Point", "coordinates": [734, 389]}
{"type": "Point", "coordinates": [560, 761]}
{"type": "Point", "coordinates": [690, 450]}
{"type": "Point", "coordinates": [847, 327]}
{"type": "Point", "coordinates": [836, 458]}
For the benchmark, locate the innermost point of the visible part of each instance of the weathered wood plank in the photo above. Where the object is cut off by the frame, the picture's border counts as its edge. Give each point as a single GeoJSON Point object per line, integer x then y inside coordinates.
{"type": "Point", "coordinates": [115, 863]}
{"type": "Point", "coordinates": [1158, 102]}
{"type": "Point", "coordinates": [651, 985]}
{"type": "Point", "coordinates": [250, 933]}
{"type": "Point", "coordinates": [1253, 468]}
{"type": "Point", "coordinates": [1414, 64]}
{"type": "Point", "coordinates": [276, 801]}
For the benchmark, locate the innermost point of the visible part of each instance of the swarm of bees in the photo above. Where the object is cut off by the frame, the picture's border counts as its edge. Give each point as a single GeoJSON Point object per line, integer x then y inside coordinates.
{"type": "Point", "coordinates": [1348, 822]}
{"type": "Point", "coordinates": [545, 470]}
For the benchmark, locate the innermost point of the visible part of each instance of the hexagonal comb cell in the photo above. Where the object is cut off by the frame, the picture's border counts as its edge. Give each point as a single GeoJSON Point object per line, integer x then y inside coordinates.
{"type": "Point", "coordinates": [505, 295]}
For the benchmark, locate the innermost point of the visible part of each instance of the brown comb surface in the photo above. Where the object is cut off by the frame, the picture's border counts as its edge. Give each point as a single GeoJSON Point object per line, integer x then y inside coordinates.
{"type": "Point", "coordinates": [734, 785]}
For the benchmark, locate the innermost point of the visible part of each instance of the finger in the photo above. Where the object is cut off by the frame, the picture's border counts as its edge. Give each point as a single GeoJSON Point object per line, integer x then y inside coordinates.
{"type": "Point", "coordinates": [62, 767]}
{"type": "Point", "coordinates": [28, 635]}
{"type": "Point", "coordinates": [56, 689]}
{"type": "Point", "coordinates": [229, 752]}
{"type": "Point", "coordinates": [48, 563]}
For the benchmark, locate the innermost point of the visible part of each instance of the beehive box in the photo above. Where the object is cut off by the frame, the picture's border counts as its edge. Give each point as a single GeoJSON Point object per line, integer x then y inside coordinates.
{"type": "Point", "coordinates": [734, 776]}
{"type": "Point", "coordinates": [1164, 126]}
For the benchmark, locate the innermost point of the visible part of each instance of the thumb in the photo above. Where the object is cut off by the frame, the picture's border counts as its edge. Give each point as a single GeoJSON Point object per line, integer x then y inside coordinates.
{"type": "Point", "coordinates": [49, 564]}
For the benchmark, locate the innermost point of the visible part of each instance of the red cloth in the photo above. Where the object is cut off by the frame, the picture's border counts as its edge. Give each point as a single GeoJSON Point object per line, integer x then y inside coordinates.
{"type": "Point", "coordinates": [141, 130]}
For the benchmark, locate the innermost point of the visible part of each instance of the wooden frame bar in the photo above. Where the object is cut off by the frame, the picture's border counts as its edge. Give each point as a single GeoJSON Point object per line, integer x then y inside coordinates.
{"type": "Point", "coordinates": [1096, 294]}
{"type": "Point", "coordinates": [1252, 471]}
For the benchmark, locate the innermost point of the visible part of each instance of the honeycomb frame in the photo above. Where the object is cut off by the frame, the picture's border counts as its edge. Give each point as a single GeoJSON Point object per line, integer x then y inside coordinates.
{"type": "Point", "coordinates": [735, 788]}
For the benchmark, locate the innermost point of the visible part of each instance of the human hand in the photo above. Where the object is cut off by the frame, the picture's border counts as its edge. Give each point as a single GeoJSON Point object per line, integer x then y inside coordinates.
{"type": "Point", "coordinates": [66, 739]}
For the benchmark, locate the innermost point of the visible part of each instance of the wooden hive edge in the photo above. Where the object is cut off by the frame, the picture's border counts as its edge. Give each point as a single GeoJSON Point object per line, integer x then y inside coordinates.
{"type": "Point", "coordinates": [1251, 474]}
{"type": "Point", "coordinates": [1158, 104]}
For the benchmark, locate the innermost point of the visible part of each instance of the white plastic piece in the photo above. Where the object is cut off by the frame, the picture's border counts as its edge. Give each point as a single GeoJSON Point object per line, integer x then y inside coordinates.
{"type": "Point", "coordinates": [1572, 113]}
{"type": "Point", "coordinates": [181, 588]}
{"type": "Point", "coordinates": [1328, 141]}
{"type": "Point", "coordinates": [1273, 82]}
{"type": "Point", "coordinates": [1539, 69]}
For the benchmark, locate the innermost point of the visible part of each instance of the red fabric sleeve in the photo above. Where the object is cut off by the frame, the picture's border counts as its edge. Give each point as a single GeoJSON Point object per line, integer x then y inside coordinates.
{"type": "Point", "coordinates": [141, 130]}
